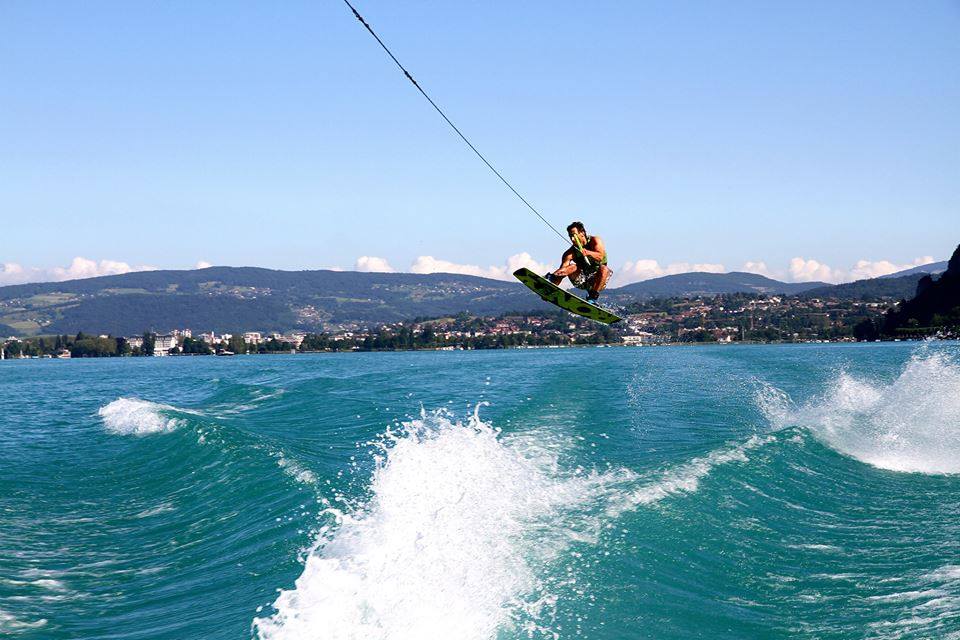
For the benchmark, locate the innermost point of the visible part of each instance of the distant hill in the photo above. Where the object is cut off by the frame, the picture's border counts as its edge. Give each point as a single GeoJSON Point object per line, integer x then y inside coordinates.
{"type": "Point", "coordinates": [883, 288]}
{"type": "Point", "coordinates": [249, 298]}
{"type": "Point", "coordinates": [933, 267]}
{"type": "Point", "coordinates": [699, 283]}
{"type": "Point", "coordinates": [229, 299]}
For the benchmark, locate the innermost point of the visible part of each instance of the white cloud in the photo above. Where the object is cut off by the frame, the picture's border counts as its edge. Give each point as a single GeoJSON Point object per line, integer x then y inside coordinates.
{"type": "Point", "coordinates": [86, 268]}
{"type": "Point", "coordinates": [646, 269]}
{"type": "Point", "coordinates": [429, 264]}
{"type": "Point", "coordinates": [759, 267]}
{"type": "Point", "coordinates": [524, 259]}
{"type": "Point", "coordinates": [202, 264]}
{"type": "Point", "coordinates": [11, 272]}
{"type": "Point", "coordinates": [866, 269]}
{"type": "Point", "coordinates": [373, 263]}
{"type": "Point", "coordinates": [80, 267]}
{"type": "Point", "coordinates": [803, 270]}
{"type": "Point", "coordinates": [800, 269]}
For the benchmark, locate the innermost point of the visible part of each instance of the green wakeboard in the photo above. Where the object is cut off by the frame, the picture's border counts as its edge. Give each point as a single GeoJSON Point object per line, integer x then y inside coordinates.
{"type": "Point", "coordinates": [563, 299]}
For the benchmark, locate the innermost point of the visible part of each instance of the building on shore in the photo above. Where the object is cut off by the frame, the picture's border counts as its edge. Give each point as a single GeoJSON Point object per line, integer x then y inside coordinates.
{"type": "Point", "coordinates": [162, 344]}
{"type": "Point", "coordinates": [639, 338]}
{"type": "Point", "coordinates": [293, 338]}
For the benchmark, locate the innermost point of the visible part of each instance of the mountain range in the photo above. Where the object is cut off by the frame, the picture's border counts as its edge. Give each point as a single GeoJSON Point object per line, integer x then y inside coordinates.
{"type": "Point", "coordinates": [250, 298]}
{"type": "Point", "coordinates": [932, 268]}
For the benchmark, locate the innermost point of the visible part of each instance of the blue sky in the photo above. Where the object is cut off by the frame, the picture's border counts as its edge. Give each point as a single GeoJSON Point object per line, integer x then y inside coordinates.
{"type": "Point", "coordinates": [799, 139]}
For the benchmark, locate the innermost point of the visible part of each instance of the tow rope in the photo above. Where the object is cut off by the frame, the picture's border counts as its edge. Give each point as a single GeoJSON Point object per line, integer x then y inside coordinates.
{"type": "Point", "coordinates": [450, 122]}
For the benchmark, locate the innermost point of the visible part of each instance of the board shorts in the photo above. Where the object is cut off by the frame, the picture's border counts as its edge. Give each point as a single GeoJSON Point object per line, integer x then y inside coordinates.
{"type": "Point", "coordinates": [583, 279]}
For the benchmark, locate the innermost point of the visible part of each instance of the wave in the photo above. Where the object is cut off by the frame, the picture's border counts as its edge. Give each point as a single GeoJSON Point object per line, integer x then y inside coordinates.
{"type": "Point", "coordinates": [10, 624]}
{"type": "Point", "coordinates": [132, 416]}
{"type": "Point", "coordinates": [911, 424]}
{"type": "Point", "coordinates": [932, 605]}
{"type": "Point", "coordinates": [458, 536]}
{"type": "Point", "coordinates": [448, 544]}
{"type": "Point", "coordinates": [685, 478]}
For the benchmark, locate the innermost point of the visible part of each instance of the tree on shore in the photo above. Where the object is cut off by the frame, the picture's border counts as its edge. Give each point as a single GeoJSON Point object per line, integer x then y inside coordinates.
{"type": "Point", "coordinates": [236, 344]}
{"type": "Point", "coordinates": [149, 340]}
{"type": "Point", "coordinates": [935, 306]}
{"type": "Point", "coordinates": [93, 347]}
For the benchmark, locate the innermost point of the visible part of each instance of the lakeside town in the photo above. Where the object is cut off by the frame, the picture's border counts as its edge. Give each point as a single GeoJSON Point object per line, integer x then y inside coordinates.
{"type": "Point", "coordinates": [723, 319]}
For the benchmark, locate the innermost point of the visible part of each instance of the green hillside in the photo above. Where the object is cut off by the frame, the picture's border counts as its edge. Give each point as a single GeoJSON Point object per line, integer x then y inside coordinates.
{"type": "Point", "coordinates": [230, 298]}
{"type": "Point", "coordinates": [699, 283]}
{"type": "Point", "coordinates": [883, 288]}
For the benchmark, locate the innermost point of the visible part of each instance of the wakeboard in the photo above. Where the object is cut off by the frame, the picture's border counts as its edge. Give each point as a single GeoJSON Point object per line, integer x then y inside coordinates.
{"type": "Point", "coordinates": [563, 299]}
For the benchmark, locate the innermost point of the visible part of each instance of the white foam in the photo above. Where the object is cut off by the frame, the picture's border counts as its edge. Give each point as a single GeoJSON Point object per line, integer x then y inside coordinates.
{"type": "Point", "coordinates": [911, 424]}
{"type": "Point", "coordinates": [163, 507]}
{"type": "Point", "coordinates": [947, 573]}
{"type": "Point", "coordinates": [686, 477]}
{"type": "Point", "coordinates": [933, 602]}
{"type": "Point", "coordinates": [131, 416]}
{"type": "Point", "coordinates": [448, 546]}
{"type": "Point", "coordinates": [817, 547]}
{"type": "Point", "coordinates": [12, 625]}
{"type": "Point", "coordinates": [295, 470]}
{"type": "Point", "coordinates": [459, 535]}
{"type": "Point", "coordinates": [49, 583]}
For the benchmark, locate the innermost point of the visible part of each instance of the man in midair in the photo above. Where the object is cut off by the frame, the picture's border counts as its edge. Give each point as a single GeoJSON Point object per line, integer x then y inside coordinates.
{"type": "Point", "coordinates": [585, 262]}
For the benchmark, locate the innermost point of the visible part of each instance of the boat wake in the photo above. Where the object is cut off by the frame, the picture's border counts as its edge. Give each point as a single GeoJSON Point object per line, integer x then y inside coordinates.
{"type": "Point", "coordinates": [132, 416]}
{"type": "Point", "coordinates": [460, 536]}
{"type": "Point", "coordinates": [911, 424]}
{"type": "Point", "coordinates": [136, 417]}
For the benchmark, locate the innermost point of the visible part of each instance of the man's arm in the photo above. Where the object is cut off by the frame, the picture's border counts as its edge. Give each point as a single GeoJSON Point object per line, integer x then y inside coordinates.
{"type": "Point", "coordinates": [567, 265]}
{"type": "Point", "coordinates": [596, 254]}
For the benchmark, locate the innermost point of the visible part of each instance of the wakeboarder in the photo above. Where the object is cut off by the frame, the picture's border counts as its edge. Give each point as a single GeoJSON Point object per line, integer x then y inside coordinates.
{"type": "Point", "coordinates": [585, 263]}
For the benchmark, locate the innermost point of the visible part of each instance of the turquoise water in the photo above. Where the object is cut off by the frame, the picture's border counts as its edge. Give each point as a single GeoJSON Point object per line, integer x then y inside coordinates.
{"type": "Point", "coordinates": [803, 491]}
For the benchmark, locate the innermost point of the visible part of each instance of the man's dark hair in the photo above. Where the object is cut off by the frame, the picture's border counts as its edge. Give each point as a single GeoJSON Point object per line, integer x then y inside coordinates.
{"type": "Point", "coordinates": [576, 225]}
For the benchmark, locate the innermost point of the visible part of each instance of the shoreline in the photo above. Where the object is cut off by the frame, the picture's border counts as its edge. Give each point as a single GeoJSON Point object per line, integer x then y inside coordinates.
{"type": "Point", "coordinates": [509, 348]}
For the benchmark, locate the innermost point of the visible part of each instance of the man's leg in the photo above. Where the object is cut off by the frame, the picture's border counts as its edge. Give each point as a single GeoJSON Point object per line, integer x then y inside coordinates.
{"type": "Point", "coordinates": [599, 282]}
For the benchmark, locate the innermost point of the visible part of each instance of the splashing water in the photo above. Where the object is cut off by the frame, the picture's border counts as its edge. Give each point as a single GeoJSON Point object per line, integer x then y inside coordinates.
{"type": "Point", "coordinates": [684, 478]}
{"type": "Point", "coordinates": [448, 546]}
{"type": "Point", "coordinates": [911, 424]}
{"type": "Point", "coordinates": [131, 416]}
{"type": "Point", "coordinates": [460, 528]}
